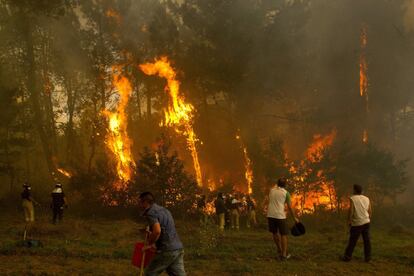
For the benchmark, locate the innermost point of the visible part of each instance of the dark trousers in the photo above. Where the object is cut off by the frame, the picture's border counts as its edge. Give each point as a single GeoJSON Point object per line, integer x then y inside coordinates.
{"type": "Point", "coordinates": [355, 232]}
{"type": "Point", "coordinates": [57, 214]}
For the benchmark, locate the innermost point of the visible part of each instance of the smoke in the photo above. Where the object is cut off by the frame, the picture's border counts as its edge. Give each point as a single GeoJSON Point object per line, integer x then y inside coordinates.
{"type": "Point", "coordinates": [409, 15]}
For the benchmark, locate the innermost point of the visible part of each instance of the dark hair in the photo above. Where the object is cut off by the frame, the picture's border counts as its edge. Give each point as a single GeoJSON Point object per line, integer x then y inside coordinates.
{"type": "Point", "coordinates": [147, 197]}
{"type": "Point", "coordinates": [220, 195]}
{"type": "Point", "coordinates": [281, 182]}
{"type": "Point", "coordinates": [357, 189]}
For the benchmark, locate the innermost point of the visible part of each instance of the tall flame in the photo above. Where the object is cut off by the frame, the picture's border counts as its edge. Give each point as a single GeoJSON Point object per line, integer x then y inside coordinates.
{"type": "Point", "coordinates": [117, 139]}
{"type": "Point", "coordinates": [363, 67]}
{"type": "Point", "coordinates": [363, 77]}
{"type": "Point", "coordinates": [179, 114]}
{"type": "Point", "coordinates": [247, 166]}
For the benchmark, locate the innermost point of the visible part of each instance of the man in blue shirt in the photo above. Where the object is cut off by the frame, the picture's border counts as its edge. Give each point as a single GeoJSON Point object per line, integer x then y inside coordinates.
{"type": "Point", "coordinates": [163, 238]}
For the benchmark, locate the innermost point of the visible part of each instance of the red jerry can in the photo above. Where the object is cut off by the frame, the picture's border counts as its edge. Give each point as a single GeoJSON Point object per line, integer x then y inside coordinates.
{"type": "Point", "coordinates": [138, 255]}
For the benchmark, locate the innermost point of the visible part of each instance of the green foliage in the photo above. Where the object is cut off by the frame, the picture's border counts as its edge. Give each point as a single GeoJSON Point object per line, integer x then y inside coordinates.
{"type": "Point", "coordinates": [162, 173]}
{"type": "Point", "coordinates": [376, 169]}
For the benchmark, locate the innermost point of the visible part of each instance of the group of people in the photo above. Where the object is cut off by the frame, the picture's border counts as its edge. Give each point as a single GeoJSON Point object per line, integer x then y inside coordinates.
{"type": "Point", "coordinates": [58, 202]}
{"type": "Point", "coordinates": [359, 218]}
{"type": "Point", "coordinates": [163, 238]}
{"type": "Point", "coordinates": [230, 208]}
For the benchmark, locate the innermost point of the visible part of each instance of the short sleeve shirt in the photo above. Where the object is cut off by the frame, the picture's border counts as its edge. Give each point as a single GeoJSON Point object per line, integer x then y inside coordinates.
{"type": "Point", "coordinates": [169, 239]}
{"type": "Point", "coordinates": [277, 198]}
{"type": "Point", "coordinates": [361, 207]}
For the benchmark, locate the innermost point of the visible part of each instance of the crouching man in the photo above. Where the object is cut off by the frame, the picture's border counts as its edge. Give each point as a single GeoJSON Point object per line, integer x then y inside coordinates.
{"type": "Point", "coordinates": [162, 238]}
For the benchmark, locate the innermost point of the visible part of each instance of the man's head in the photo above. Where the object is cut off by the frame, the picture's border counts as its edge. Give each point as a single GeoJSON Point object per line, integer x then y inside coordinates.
{"type": "Point", "coordinates": [357, 189]}
{"type": "Point", "coordinates": [281, 182]}
{"type": "Point", "coordinates": [146, 199]}
{"type": "Point", "coordinates": [220, 195]}
{"type": "Point", "coordinates": [26, 186]}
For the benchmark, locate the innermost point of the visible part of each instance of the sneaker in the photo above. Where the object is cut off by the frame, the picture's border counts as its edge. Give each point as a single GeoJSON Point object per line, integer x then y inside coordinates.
{"type": "Point", "coordinates": [285, 258]}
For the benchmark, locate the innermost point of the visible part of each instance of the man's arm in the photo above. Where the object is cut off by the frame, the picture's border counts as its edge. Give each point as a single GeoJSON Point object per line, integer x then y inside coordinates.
{"type": "Point", "coordinates": [369, 210]}
{"type": "Point", "coordinates": [154, 234]}
{"type": "Point", "coordinates": [288, 203]}
{"type": "Point", "coordinates": [350, 211]}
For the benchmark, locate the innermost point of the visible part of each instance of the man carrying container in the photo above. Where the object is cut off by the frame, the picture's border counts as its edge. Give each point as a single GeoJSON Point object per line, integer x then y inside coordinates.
{"type": "Point", "coordinates": [276, 215]}
{"type": "Point", "coordinates": [162, 238]}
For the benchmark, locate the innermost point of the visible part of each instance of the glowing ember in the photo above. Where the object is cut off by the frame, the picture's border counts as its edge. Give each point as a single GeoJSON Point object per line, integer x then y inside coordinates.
{"type": "Point", "coordinates": [117, 139]}
{"type": "Point", "coordinates": [210, 208]}
{"type": "Point", "coordinates": [114, 15]}
{"type": "Point", "coordinates": [365, 136]}
{"type": "Point", "coordinates": [179, 113]}
{"type": "Point", "coordinates": [211, 185]}
{"type": "Point", "coordinates": [64, 172]}
{"type": "Point", "coordinates": [248, 167]}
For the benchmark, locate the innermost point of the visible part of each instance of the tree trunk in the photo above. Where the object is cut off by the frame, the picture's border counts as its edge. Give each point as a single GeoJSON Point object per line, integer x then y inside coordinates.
{"type": "Point", "coordinates": [71, 103]}
{"type": "Point", "coordinates": [33, 88]}
{"type": "Point", "coordinates": [149, 103]}
{"type": "Point", "coordinates": [93, 130]}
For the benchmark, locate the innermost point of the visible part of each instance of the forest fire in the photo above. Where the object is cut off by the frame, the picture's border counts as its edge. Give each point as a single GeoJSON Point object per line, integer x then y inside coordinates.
{"type": "Point", "coordinates": [311, 194]}
{"type": "Point", "coordinates": [117, 139]}
{"type": "Point", "coordinates": [179, 114]}
{"type": "Point", "coordinates": [247, 165]}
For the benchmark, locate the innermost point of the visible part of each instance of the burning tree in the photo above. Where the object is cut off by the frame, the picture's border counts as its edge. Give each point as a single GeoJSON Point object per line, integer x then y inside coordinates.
{"type": "Point", "coordinates": [163, 172]}
{"type": "Point", "coordinates": [179, 114]}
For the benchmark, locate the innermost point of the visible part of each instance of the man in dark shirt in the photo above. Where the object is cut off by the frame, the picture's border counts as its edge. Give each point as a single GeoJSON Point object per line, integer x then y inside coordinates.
{"type": "Point", "coordinates": [251, 212]}
{"type": "Point", "coordinates": [27, 203]}
{"type": "Point", "coordinates": [58, 202]}
{"type": "Point", "coordinates": [220, 210]}
{"type": "Point", "coordinates": [163, 238]}
{"type": "Point", "coordinates": [201, 206]}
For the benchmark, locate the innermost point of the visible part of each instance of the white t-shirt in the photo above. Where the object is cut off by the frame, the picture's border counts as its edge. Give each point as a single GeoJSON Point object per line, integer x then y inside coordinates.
{"type": "Point", "coordinates": [361, 207]}
{"type": "Point", "coordinates": [277, 198]}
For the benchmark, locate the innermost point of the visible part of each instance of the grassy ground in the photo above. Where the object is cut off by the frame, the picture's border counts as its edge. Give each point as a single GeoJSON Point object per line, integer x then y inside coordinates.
{"type": "Point", "coordinates": [104, 247]}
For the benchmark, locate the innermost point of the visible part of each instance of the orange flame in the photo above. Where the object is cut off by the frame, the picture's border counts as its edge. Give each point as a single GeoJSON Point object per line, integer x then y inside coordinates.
{"type": "Point", "coordinates": [365, 136]}
{"type": "Point", "coordinates": [117, 139]}
{"type": "Point", "coordinates": [179, 113]}
{"type": "Point", "coordinates": [64, 172]}
{"type": "Point", "coordinates": [315, 151]}
{"type": "Point", "coordinates": [248, 167]}
{"type": "Point", "coordinates": [111, 13]}
{"type": "Point", "coordinates": [363, 67]}
{"type": "Point", "coordinates": [322, 192]}
{"type": "Point", "coordinates": [363, 79]}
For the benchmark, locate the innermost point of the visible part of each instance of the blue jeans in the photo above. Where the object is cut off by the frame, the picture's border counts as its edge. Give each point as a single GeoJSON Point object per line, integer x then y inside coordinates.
{"type": "Point", "coordinates": [170, 261]}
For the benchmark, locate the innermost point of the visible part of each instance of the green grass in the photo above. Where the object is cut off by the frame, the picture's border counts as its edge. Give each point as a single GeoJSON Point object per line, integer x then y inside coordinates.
{"type": "Point", "coordinates": [104, 247]}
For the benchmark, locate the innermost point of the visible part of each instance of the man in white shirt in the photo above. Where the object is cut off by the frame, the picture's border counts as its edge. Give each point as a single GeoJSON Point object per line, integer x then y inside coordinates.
{"type": "Point", "coordinates": [359, 218]}
{"type": "Point", "coordinates": [276, 216]}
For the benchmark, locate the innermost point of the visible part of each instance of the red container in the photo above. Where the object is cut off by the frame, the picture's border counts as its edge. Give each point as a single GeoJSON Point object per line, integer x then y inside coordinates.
{"type": "Point", "coordinates": [138, 254]}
